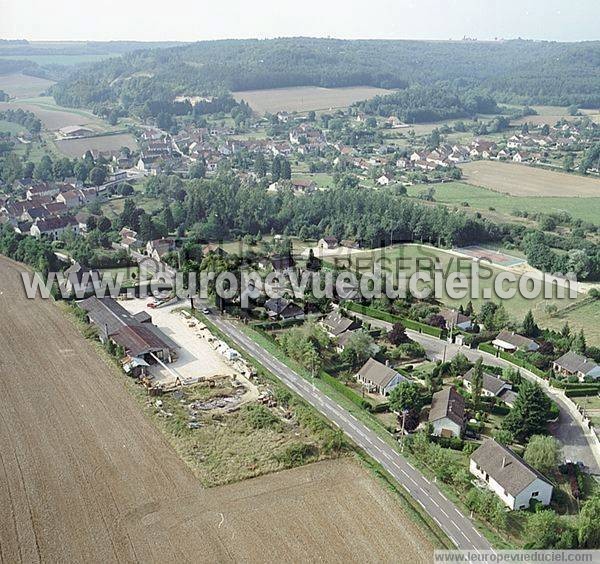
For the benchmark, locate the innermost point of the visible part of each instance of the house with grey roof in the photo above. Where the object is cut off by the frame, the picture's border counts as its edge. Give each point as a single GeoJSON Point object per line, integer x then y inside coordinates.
{"type": "Point", "coordinates": [509, 341]}
{"type": "Point", "coordinates": [455, 320]}
{"type": "Point", "coordinates": [514, 481]}
{"type": "Point", "coordinates": [492, 385]}
{"type": "Point", "coordinates": [335, 324]}
{"type": "Point", "coordinates": [447, 413]}
{"type": "Point", "coordinates": [379, 378]}
{"type": "Point", "coordinates": [285, 310]}
{"type": "Point", "coordinates": [573, 364]}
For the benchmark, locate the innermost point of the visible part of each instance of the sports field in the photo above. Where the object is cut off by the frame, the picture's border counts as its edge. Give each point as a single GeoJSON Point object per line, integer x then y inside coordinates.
{"type": "Point", "coordinates": [306, 98]}
{"type": "Point", "coordinates": [522, 180]}
{"type": "Point", "coordinates": [484, 200]}
{"type": "Point", "coordinates": [86, 477]}
{"type": "Point", "coordinates": [490, 255]}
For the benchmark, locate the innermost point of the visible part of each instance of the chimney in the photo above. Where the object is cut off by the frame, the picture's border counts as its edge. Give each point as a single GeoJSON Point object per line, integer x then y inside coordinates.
{"type": "Point", "coordinates": [387, 362]}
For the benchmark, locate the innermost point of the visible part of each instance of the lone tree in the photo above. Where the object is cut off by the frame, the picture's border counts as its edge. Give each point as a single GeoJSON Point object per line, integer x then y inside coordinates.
{"type": "Point", "coordinates": [530, 412]}
{"type": "Point", "coordinates": [398, 335]}
{"type": "Point", "coordinates": [406, 395]}
{"type": "Point", "coordinates": [477, 384]}
{"type": "Point", "coordinates": [542, 453]}
{"type": "Point", "coordinates": [530, 328]}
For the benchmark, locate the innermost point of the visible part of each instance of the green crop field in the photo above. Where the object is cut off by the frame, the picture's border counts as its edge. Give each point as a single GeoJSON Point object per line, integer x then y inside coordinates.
{"type": "Point", "coordinates": [456, 193]}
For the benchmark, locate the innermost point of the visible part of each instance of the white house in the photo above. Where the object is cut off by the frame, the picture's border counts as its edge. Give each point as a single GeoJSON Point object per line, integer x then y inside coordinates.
{"type": "Point", "coordinates": [447, 413]}
{"type": "Point", "coordinates": [509, 341]}
{"type": "Point", "coordinates": [509, 476]}
{"type": "Point", "coordinates": [492, 385]}
{"type": "Point", "coordinates": [328, 242]}
{"type": "Point", "coordinates": [378, 377]}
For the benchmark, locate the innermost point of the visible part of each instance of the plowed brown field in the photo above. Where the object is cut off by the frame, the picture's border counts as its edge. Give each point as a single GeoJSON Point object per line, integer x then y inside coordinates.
{"type": "Point", "coordinates": [85, 477]}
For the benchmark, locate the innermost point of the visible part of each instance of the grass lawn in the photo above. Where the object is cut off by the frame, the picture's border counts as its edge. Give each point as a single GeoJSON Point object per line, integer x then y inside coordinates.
{"type": "Point", "coordinates": [113, 207]}
{"type": "Point", "coordinates": [586, 317]}
{"type": "Point", "coordinates": [10, 127]}
{"type": "Point", "coordinates": [409, 258]}
{"type": "Point", "coordinates": [481, 199]}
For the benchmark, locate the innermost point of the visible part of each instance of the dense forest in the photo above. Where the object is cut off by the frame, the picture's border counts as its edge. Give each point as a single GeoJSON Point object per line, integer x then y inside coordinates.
{"type": "Point", "coordinates": [420, 104]}
{"type": "Point", "coordinates": [522, 72]}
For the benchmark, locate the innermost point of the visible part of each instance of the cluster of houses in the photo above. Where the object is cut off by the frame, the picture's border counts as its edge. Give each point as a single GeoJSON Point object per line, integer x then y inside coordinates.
{"type": "Point", "coordinates": [48, 208]}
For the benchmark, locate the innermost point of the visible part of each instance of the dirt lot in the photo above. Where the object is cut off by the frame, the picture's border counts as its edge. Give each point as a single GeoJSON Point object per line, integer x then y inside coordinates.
{"type": "Point", "coordinates": [306, 98]}
{"type": "Point", "coordinates": [84, 476]}
{"type": "Point", "coordinates": [522, 180]}
{"type": "Point", "coordinates": [23, 86]}
{"type": "Point", "coordinates": [196, 359]}
{"type": "Point", "coordinates": [78, 147]}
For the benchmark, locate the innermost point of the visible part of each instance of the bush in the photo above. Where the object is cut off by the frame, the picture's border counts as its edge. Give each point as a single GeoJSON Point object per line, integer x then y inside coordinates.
{"type": "Point", "coordinates": [260, 417]}
{"type": "Point", "coordinates": [296, 454]}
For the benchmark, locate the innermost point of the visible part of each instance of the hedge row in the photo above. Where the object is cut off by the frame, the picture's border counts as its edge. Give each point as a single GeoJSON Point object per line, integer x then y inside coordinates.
{"type": "Point", "coordinates": [582, 391]}
{"type": "Point", "coordinates": [486, 347]}
{"type": "Point", "coordinates": [347, 392]}
{"type": "Point", "coordinates": [390, 318]}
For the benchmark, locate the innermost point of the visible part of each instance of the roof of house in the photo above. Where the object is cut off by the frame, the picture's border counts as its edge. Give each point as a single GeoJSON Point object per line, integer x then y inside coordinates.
{"type": "Point", "coordinates": [453, 317]}
{"type": "Point", "coordinates": [507, 396]}
{"type": "Point", "coordinates": [447, 403]}
{"type": "Point", "coordinates": [514, 339]}
{"type": "Point", "coordinates": [573, 362]}
{"type": "Point", "coordinates": [491, 383]}
{"type": "Point", "coordinates": [283, 307]}
{"type": "Point", "coordinates": [282, 262]}
{"type": "Point", "coordinates": [510, 471]}
{"type": "Point", "coordinates": [337, 324]}
{"type": "Point", "coordinates": [54, 223]}
{"type": "Point", "coordinates": [330, 239]}
{"type": "Point", "coordinates": [377, 373]}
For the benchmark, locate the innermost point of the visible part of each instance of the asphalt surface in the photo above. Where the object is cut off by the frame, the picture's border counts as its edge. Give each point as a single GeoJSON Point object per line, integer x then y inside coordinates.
{"type": "Point", "coordinates": [457, 526]}
{"type": "Point", "coordinates": [567, 430]}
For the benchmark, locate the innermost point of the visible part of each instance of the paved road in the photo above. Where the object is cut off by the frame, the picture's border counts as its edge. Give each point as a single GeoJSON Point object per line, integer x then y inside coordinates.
{"type": "Point", "coordinates": [575, 441]}
{"type": "Point", "coordinates": [457, 526]}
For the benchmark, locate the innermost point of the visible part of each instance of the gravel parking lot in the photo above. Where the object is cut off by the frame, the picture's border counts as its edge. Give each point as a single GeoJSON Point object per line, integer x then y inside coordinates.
{"type": "Point", "coordinates": [197, 359]}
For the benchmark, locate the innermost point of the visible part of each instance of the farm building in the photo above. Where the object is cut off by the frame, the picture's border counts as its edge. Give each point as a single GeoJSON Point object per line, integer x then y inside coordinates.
{"type": "Point", "coordinates": [509, 476]}
{"type": "Point", "coordinates": [135, 333]}
{"type": "Point", "coordinates": [378, 377]}
{"type": "Point", "coordinates": [74, 132]}
{"type": "Point", "coordinates": [447, 413]}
